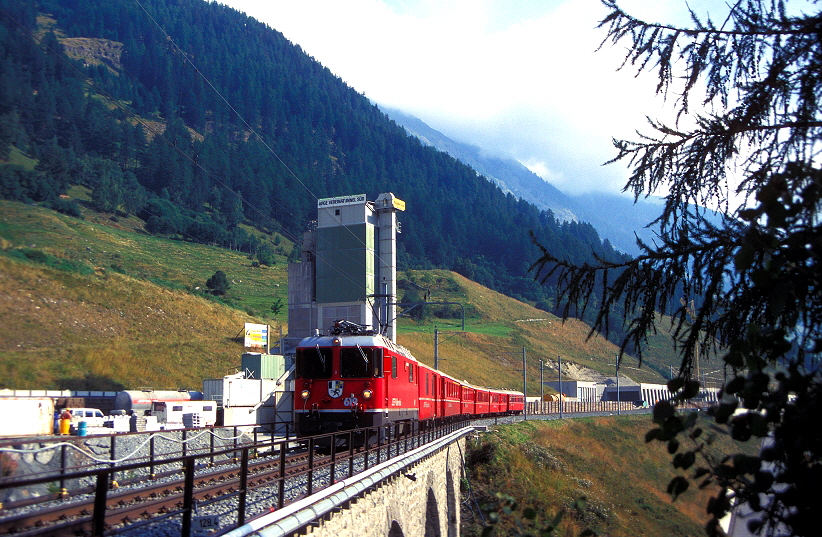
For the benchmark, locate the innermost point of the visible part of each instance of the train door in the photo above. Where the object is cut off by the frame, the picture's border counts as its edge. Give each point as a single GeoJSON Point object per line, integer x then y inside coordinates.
{"type": "Point", "coordinates": [427, 385]}
{"type": "Point", "coordinates": [402, 390]}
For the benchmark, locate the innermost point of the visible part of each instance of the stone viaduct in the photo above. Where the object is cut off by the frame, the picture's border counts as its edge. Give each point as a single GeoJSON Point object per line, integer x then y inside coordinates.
{"type": "Point", "coordinates": [415, 495]}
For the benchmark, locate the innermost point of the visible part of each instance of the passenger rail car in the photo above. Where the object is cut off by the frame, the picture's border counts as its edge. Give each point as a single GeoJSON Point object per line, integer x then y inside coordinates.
{"type": "Point", "coordinates": [353, 378]}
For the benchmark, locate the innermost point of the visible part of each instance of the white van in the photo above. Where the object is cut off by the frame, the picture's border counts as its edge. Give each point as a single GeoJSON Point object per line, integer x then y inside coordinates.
{"type": "Point", "coordinates": [93, 417]}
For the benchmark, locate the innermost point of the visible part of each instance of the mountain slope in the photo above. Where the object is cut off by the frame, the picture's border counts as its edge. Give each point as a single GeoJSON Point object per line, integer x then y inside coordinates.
{"type": "Point", "coordinates": [497, 330]}
{"type": "Point", "coordinates": [84, 305]}
{"type": "Point", "coordinates": [93, 304]}
{"type": "Point", "coordinates": [201, 120]}
{"type": "Point", "coordinates": [508, 174]}
{"type": "Point", "coordinates": [616, 218]}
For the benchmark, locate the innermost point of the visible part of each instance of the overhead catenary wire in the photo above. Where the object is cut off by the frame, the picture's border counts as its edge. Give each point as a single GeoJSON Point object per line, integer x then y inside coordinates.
{"type": "Point", "coordinates": [172, 143]}
{"type": "Point", "coordinates": [251, 129]}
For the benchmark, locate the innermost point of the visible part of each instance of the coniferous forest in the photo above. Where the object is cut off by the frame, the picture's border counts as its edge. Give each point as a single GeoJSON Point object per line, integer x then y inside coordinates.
{"type": "Point", "coordinates": [197, 119]}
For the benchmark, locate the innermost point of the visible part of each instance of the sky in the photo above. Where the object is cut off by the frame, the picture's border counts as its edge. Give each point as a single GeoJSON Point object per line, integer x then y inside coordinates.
{"type": "Point", "coordinates": [519, 78]}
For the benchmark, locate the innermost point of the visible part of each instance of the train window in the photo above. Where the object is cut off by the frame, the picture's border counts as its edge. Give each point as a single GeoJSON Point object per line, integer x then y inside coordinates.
{"type": "Point", "coordinates": [410, 372]}
{"type": "Point", "coordinates": [426, 384]}
{"type": "Point", "coordinates": [314, 363]}
{"type": "Point", "coordinates": [377, 362]}
{"type": "Point", "coordinates": [360, 362]}
{"type": "Point", "coordinates": [394, 366]}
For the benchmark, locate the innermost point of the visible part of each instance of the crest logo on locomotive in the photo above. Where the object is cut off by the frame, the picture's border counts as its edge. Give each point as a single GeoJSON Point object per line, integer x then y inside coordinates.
{"type": "Point", "coordinates": [335, 388]}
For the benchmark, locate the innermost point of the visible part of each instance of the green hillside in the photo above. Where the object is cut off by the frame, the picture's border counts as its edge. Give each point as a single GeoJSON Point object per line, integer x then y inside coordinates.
{"type": "Point", "coordinates": [497, 329]}
{"type": "Point", "coordinates": [89, 304]}
{"type": "Point", "coordinates": [549, 465]}
{"type": "Point", "coordinates": [97, 303]}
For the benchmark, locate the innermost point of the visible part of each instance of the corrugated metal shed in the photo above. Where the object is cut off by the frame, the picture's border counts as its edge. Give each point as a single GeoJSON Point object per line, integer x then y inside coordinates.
{"type": "Point", "coordinates": [263, 366]}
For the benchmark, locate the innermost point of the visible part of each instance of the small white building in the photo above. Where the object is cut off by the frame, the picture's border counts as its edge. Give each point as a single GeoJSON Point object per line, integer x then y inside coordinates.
{"type": "Point", "coordinates": [188, 414]}
{"type": "Point", "coordinates": [631, 391]}
{"type": "Point", "coordinates": [581, 390]}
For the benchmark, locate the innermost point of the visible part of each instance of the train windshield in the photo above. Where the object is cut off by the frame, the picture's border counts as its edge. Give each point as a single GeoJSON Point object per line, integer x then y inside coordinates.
{"type": "Point", "coordinates": [359, 362]}
{"type": "Point", "coordinates": [314, 363]}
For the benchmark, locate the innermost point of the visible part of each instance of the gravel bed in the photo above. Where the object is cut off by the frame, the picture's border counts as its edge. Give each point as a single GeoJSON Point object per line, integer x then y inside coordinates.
{"type": "Point", "coordinates": [259, 501]}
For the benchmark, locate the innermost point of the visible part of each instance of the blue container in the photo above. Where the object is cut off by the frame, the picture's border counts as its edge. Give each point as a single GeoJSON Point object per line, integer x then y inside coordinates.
{"type": "Point", "coordinates": [82, 429]}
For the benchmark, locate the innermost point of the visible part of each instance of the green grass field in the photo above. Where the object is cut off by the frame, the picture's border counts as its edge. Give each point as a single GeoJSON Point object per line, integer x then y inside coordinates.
{"type": "Point", "coordinates": [546, 465]}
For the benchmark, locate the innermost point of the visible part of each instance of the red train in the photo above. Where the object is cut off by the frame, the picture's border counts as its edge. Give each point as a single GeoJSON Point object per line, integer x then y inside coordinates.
{"type": "Point", "coordinates": [354, 378]}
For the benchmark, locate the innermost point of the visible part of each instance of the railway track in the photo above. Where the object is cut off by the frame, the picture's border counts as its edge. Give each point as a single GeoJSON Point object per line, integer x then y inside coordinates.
{"type": "Point", "coordinates": [125, 507]}
{"type": "Point", "coordinates": [285, 474]}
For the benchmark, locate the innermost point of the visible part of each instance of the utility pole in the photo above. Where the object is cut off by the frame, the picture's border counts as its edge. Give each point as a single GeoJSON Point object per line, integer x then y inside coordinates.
{"type": "Point", "coordinates": [617, 376]}
{"type": "Point", "coordinates": [559, 367]}
{"type": "Point", "coordinates": [691, 311]}
{"type": "Point", "coordinates": [541, 387]}
{"type": "Point", "coordinates": [436, 349]}
{"type": "Point", "coordinates": [524, 385]}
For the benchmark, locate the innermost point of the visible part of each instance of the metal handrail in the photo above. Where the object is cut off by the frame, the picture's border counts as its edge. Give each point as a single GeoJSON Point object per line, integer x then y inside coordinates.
{"type": "Point", "coordinates": [383, 441]}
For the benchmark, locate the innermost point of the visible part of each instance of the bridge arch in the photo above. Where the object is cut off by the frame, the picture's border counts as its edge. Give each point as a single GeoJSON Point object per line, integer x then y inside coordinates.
{"type": "Point", "coordinates": [432, 515]}
{"type": "Point", "coordinates": [452, 504]}
{"type": "Point", "coordinates": [395, 530]}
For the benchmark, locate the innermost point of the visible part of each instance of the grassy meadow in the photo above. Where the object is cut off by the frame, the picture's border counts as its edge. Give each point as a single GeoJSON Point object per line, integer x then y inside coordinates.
{"type": "Point", "coordinates": [546, 465]}
{"type": "Point", "coordinates": [497, 328]}
{"type": "Point", "coordinates": [96, 304]}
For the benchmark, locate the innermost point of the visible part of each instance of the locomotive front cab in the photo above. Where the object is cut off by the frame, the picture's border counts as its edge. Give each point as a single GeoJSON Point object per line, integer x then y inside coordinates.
{"type": "Point", "coordinates": [338, 383]}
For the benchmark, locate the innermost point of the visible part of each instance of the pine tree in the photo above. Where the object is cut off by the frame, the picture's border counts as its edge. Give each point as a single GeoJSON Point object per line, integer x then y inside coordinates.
{"type": "Point", "coordinates": [754, 275]}
{"type": "Point", "coordinates": [218, 283]}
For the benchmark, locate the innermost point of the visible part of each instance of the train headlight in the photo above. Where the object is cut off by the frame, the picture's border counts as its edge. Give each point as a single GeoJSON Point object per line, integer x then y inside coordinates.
{"type": "Point", "coordinates": [367, 394]}
{"type": "Point", "coordinates": [304, 394]}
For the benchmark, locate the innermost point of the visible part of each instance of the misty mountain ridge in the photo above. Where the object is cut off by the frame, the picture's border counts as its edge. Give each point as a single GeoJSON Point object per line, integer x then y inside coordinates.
{"type": "Point", "coordinates": [616, 218]}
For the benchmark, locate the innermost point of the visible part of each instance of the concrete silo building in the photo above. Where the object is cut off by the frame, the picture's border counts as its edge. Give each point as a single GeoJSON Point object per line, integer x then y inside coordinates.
{"type": "Point", "coordinates": [348, 267]}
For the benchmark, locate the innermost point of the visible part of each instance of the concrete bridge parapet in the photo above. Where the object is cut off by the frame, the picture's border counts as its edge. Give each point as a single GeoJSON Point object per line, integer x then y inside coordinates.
{"type": "Point", "coordinates": [416, 495]}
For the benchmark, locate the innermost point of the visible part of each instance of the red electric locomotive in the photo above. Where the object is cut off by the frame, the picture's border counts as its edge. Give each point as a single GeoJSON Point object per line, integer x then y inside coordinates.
{"type": "Point", "coordinates": [354, 378]}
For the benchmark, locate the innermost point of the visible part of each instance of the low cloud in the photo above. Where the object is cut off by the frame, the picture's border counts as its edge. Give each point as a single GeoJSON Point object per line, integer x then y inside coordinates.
{"type": "Point", "coordinates": [516, 78]}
